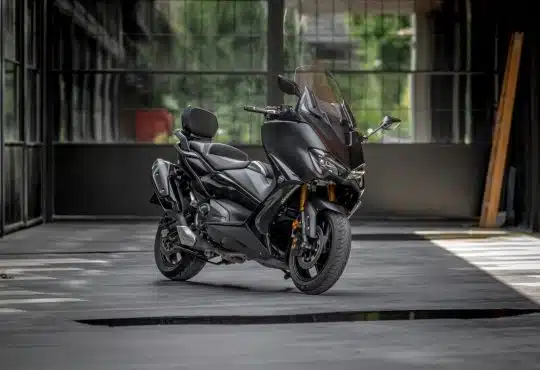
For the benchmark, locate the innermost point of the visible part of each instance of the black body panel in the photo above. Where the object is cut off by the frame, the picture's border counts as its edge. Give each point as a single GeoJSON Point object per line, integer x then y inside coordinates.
{"type": "Point", "coordinates": [235, 191]}
{"type": "Point", "coordinates": [163, 173]}
{"type": "Point", "coordinates": [161, 170]}
{"type": "Point", "coordinates": [238, 238]}
{"type": "Point", "coordinates": [198, 166]}
{"type": "Point", "coordinates": [254, 182]}
{"type": "Point", "coordinates": [322, 204]}
{"type": "Point", "coordinates": [356, 153]}
{"type": "Point", "coordinates": [289, 142]}
{"type": "Point", "coordinates": [221, 187]}
{"type": "Point", "coordinates": [265, 212]}
{"type": "Point", "coordinates": [284, 170]}
{"type": "Point", "coordinates": [226, 211]}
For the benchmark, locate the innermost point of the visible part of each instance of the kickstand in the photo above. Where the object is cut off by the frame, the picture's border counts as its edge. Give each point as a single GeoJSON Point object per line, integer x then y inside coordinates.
{"type": "Point", "coordinates": [287, 275]}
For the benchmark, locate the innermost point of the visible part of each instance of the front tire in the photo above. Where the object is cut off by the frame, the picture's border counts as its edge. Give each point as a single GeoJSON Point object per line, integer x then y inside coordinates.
{"type": "Point", "coordinates": [177, 267]}
{"type": "Point", "coordinates": [335, 231]}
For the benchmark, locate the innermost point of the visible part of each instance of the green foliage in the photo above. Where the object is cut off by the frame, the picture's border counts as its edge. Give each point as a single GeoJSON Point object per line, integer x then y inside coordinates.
{"type": "Point", "coordinates": [208, 36]}
{"type": "Point", "coordinates": [381, 49]}
{"type": "Point", "coordinates": [215, 35]}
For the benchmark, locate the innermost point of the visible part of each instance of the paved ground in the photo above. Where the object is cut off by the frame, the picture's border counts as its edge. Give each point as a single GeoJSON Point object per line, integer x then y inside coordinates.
{"type": "Point", "coordinates": [60, 273]}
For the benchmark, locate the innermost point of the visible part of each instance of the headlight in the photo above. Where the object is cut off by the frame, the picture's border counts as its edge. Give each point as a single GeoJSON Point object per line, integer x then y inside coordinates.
{"type": "Point", "coordinates": [324, 162]}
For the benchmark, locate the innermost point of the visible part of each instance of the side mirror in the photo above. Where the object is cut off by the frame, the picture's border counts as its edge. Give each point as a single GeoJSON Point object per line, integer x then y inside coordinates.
{"type": "Point", "coordinates": [287, 86]}
{"type": "Point", "coordinates": [390, 123]}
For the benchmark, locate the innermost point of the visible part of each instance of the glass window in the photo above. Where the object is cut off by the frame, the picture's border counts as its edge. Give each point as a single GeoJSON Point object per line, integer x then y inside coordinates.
{"type": "Point", "coordinates": [11, 13]}
{"type": "Point", "coordinates": [187, 38]}
{"type": "Point", "coordinates": [31, 29]}
{"type": "Point", "coordinates": [33, 106]}
{"type": "Point", "coordinates": [76, 109]}
{"type": "Point", "coordinates": [63, 132]}
{"type": "Point", "coordinates": [60, 36]}
{"type": "Point", "coordinates": [353, 40]}
{"type": "Point", "coordinates": [35, 182]}
{"type": "Point", "coordinates": [13, 184]}
{"type": "Point", "coordinates": [12, 125]}
{"type": "Point", "coordinates": [150, 106]}
{"type": "Point", "coordinates": [200, 35]}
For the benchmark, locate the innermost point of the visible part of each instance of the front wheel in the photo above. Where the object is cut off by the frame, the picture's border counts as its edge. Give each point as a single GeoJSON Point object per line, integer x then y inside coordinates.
{"type": "Point", "coordinates": [316, 269]}
{"type": "Point", "coordinates": [175, 266]}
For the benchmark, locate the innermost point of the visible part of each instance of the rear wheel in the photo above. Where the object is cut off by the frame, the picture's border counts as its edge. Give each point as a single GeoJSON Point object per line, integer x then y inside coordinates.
{"type": "Point", "coordinates": [316, 269]}
{"type": "Point", "coordinates": [176, 266]}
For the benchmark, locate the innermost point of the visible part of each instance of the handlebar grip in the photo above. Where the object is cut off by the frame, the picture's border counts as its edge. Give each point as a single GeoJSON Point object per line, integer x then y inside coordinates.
{"type": "Point", "coordinates": [255, 109]}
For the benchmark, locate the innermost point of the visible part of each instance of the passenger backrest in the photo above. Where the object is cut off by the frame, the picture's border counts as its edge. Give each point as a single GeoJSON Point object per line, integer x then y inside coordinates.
{"type": "Point", "coordinates": [199, 122]}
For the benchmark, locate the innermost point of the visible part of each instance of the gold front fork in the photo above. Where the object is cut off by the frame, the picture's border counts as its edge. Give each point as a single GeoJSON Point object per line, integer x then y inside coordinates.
{"type": "Point", "coordinates": [303, 197]}
{"type": "Point", "coordinates": [296, 224]}
{"type": "Point", "coordinates": [332, 192]}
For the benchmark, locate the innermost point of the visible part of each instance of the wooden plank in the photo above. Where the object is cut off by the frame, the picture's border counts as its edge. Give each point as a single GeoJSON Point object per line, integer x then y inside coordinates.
{"type": "Point", "coordinates": [495, 174]}
{"type": "Point", "coordinates": [495, 134]}
{"type": "Point", "coordinates": [496, 130]}
{"type": "Point", "coordinates": [502, 95]}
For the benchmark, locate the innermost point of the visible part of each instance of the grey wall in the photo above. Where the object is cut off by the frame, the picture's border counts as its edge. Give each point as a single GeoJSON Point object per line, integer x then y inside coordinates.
{"type": "Point", "coordinates": [403, 180]}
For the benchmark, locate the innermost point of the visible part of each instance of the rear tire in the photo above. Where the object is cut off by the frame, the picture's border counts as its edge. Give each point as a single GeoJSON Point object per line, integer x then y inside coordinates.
{"type": "Point", "coordinates": [336, 256]}
{"type": "Point", "coordinates": [186, 268]}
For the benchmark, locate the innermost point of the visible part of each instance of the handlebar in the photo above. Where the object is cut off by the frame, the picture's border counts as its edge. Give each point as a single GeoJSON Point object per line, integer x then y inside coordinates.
{"type": "Point", "coordinates": [260, 110]}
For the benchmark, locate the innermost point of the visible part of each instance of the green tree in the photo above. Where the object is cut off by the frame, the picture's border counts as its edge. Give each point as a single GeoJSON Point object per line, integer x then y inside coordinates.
{"type": "Point", "coordinates": [381, 48]}
{"type": "Point", "coordinates": [211, 35]}
{"type": "Point", "coordinates": [214, 36]}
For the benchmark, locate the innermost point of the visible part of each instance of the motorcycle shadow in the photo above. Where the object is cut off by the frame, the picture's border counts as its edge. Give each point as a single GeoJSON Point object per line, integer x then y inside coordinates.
{"type": "Point", "coordinates": [225, 287]}
{"type": "Point", "coordinates": [243, 288]}
{"type": "Point", "coordinates": [228, 286]}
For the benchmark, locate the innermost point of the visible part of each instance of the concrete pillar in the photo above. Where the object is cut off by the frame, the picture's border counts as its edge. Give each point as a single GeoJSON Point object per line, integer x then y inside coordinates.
{"type": "Point", "coordinates": [420, 83]}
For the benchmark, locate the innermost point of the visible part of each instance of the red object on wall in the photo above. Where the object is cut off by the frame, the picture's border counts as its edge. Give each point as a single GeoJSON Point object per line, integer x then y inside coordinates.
{"type": "Point", "coordinates": [152, 122]}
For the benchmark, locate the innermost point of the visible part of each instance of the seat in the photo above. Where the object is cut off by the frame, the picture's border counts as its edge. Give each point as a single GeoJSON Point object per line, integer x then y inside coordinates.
{"type": "Point", "coordinates": [224, 157]}
{"type": "Point", "coordinates": [221, 156]}
{"type": "Point", "coordinates": [200, 127]}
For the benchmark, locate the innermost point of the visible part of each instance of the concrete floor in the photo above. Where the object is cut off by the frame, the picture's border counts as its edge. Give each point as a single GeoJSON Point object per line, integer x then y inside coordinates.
{"type": "Point", "coordinates": [60, 273]}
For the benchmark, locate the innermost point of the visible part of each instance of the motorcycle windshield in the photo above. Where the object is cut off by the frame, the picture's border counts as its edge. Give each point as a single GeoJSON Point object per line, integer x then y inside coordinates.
{"type": "Point", "coordinates": [325, 93]}
{"type": "Point", "coordinates": [328, 102]}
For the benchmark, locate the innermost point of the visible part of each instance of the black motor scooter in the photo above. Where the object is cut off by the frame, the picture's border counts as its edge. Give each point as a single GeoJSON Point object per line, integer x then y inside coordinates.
{"type": "Point", "coordinates": [292, 214]}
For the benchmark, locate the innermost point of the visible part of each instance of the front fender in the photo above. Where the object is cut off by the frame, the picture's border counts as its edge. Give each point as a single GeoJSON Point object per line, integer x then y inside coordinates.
{"type": "Point", "coordinates": [313, 207]}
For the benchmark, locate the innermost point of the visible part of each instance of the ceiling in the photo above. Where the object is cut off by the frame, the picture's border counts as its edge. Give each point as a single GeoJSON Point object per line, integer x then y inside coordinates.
{"type": "Point", "coordinates": [360, 6]}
